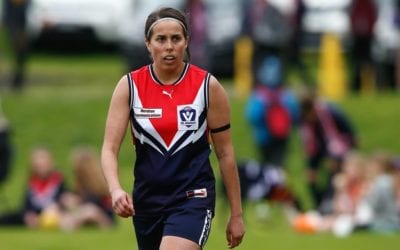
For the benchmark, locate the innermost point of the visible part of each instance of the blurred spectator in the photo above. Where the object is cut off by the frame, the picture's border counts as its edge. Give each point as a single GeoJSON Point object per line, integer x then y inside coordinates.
{"type": "Point", "coordinates": [294, 57]}
{"type": "Point", "coordinates": [349, 189]}
{"type": "Point", "coordinates": [398, 69]}
{"type": "Point", "coordinates": [269, 29]}
{"type": "Point", "coordinates": [198, 34]}
{"type": "Point", "coordinates": [397, 22]}
{"type": "Point", "coordinates": [15, 12]}
{"type": "Point", "coordinates": [5, 147]}
{"type": "Point", "coordinates": [386, 43]}
{"type": "Point", "coordinates": [260, 183]}
{"type": "Point", "coordinates": [396, 170]}
{"type": "Point", "coordinates": [380, 197]}
{"type": "Point", "coordinates": [327, 136]}
{"type": "Point", "coordinates": [363, 15]}
{"type": "Point", "coordinates": [365, 198]}
{"type": "Point", "coordinates": [349, 185]}
{"type": "Point", "coordinates": [44, 189]}
{"type": "Point", "coordinates": [89, 203]}
{"type": "Point", "coordinates": [272, 111]}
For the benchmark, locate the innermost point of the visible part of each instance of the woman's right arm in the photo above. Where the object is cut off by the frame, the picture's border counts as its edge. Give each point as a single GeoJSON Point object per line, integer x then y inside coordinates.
{"type": "Point", "coordinates": [115, 129]}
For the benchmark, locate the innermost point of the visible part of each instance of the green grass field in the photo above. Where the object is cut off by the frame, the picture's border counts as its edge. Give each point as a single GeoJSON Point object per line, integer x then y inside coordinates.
{"type": "Point", "coordinates": [65, 105]}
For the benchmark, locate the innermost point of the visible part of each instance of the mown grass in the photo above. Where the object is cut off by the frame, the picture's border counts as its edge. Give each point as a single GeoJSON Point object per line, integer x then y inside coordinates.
{"type": "Point", "coordinates": [65, 105]}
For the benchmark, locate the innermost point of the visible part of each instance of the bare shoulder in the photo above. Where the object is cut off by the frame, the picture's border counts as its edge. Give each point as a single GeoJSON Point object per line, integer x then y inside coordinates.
{"type": "Point", "coordinates": [217, 91]}
{"type": "Point", "coordinates": [122, 88]}
{"type": "Point", "coordinates": [215, 84]}
{"type": "Point", "coordinates": [123, 83]}
{"type": "Point", "coordinates": [218, 110]}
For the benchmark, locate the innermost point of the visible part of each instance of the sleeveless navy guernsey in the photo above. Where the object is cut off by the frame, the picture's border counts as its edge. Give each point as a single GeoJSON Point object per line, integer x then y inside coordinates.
{"type": "Point", "coordinates": [171, 136]}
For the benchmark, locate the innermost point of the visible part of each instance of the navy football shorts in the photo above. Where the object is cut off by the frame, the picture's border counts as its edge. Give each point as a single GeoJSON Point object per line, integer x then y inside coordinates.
{"type": "Point", "coordinates": [189, 223]}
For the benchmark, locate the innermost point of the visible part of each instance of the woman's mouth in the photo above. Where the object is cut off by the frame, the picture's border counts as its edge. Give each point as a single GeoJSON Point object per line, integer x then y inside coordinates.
{"type": "Point", "coordinates": [169, 58]}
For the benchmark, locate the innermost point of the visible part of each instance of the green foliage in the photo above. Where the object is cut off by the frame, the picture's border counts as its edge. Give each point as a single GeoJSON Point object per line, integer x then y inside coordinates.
{"type": "Point", "coordinates": [65, 105]}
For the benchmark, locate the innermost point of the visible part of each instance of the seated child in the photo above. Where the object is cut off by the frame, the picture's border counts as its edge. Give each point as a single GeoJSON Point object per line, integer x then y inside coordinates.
{"type": "Point", "coordinates": [44, 189]}
{"type": "Point", "coordinates": [90, 202]}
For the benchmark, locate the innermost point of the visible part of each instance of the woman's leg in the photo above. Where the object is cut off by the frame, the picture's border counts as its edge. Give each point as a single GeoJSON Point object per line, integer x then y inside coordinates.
{"type": "Point", "coordinates": [186, 229]}
{"type": "Point", "coordinates": [177, 243]}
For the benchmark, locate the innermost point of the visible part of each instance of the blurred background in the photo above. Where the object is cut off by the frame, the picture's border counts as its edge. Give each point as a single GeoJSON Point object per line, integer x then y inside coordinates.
{"type": "Point", "coordinates": [333, 64]}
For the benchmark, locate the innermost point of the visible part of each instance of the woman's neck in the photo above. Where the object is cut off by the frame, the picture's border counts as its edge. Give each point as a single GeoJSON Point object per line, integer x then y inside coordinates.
{"type": "Point", "coordinates": [168, 76]}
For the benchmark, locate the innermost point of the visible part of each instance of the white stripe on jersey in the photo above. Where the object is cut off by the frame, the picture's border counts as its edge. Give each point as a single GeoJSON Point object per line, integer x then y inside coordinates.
{"type": "Point", "coordinates": [145, 123]}
{"type": "Point", "coordinates": [199, 100]}
{"type": "Point", "coordinates": [193, 137]}
{"type": "Point", "coordinates": [144, 139]}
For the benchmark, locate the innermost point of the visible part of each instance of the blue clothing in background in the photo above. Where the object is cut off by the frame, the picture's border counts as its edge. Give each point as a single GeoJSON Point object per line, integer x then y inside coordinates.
{"type": "Point", "coordinates": [256, 108]}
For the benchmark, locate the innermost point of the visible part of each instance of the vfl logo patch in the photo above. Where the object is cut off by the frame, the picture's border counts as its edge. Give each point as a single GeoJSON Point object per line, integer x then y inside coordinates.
{"type": "Point", "coordinates": [146, 113]}
{"type": "Point", "coordinates": [187, 117]}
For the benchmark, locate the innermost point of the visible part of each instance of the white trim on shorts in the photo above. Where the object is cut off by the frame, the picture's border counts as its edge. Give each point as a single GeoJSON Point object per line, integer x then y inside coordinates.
{"type": "Point", "coordinates": [206, 229]}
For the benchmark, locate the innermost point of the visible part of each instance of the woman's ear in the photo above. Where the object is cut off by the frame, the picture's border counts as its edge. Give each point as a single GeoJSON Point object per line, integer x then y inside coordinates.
{"type": "Point", "coordinates": [147, 42]}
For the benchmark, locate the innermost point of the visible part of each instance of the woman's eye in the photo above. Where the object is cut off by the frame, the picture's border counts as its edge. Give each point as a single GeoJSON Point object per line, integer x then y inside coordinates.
{"type": "Point", "coordinates": [176, 38]}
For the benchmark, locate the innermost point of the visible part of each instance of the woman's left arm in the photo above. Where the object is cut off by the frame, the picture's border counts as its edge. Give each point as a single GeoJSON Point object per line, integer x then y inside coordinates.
{"type": "Point", "coordinates": [218, 118]}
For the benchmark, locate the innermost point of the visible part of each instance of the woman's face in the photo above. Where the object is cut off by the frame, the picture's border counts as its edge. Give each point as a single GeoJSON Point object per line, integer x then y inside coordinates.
{"type": "Point", "coordinates": [41, 163]}
{"type": "Point", "coordinates": [167, 44]}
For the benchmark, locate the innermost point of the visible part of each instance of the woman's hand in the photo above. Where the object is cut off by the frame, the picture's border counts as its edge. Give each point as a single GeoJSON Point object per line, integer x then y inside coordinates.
{"type": "Point", "coordinates": [122, 203]}
{"type": "Point", "coordinates": [235, 231]}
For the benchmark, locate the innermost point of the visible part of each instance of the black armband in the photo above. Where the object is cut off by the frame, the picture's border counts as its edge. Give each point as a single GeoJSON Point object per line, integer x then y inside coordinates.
{"type": "Point", "coordinates": [220, 129]}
